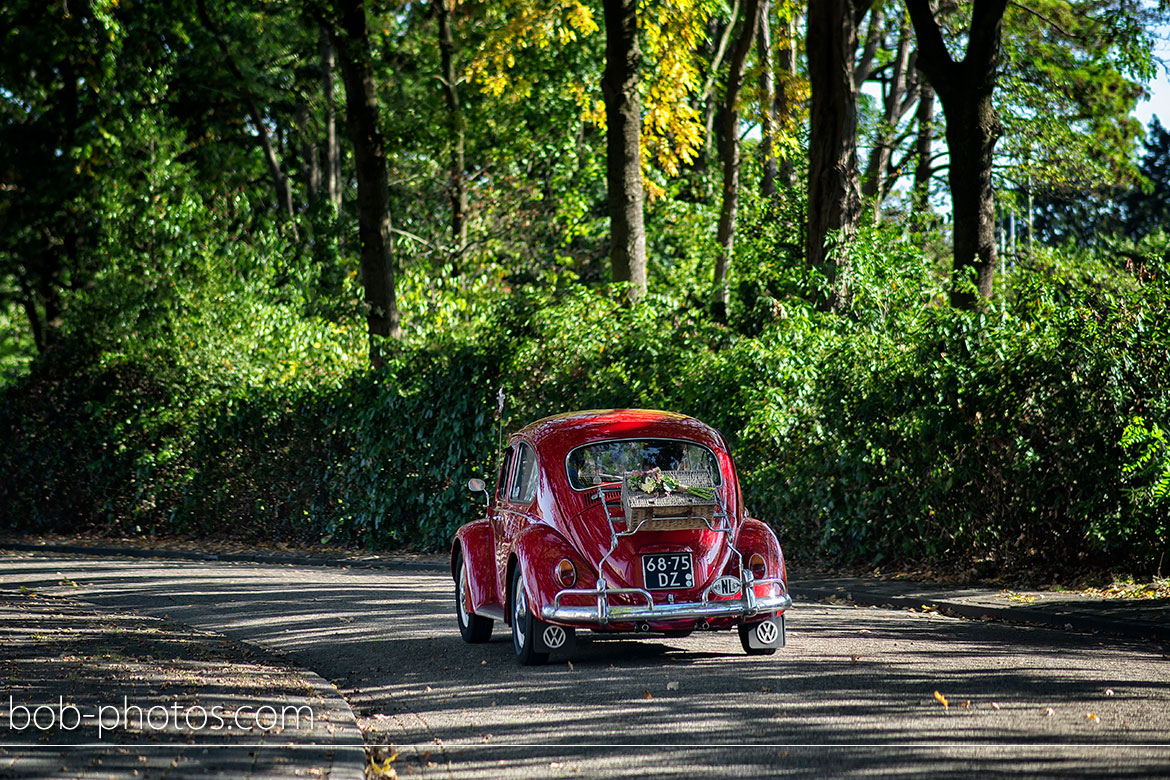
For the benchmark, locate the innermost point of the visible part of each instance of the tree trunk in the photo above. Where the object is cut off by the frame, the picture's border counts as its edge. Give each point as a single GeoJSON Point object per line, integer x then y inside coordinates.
{"type": "Point", "coordinates": [50, 284]}
{"type": "Point", "coordinates": [767, 100]}
{"type": "Point", "coordinates": [873, 39]}
{"type": "Point", "coordinates": [28, 300]}
{"type": "Point", "coordinates": [924, 148]}
{"type": "Point", "coordinates": [456, 189]}
{"type": "Point", "coordinates": [965, 89]}
{"type": "Point", "coordinates": [707, 98]}
{"type": "Point", "coordinates": [729, 153]}
{"type": "Point", "coordinates": [623, 116]}
{"type": "Point", "coordinates": [834, 197]}
{"type": "Point", "coordinates": [310, 164]}
{"type": "Point", "coordinates": [374, 219]}
{"type": "Point", "coordinates": [785, 104]}
{"type": "Point", "coordinates": [280, 181]}
{"type": "Point", "coordinates": [972, 130]}
{"type": "Point", "coordinates": [894, 107]}
{"type": "Point", "coordinates": [332, 161]}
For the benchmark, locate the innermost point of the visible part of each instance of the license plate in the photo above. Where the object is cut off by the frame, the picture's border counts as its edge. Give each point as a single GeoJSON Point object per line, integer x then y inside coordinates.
{"type": "Point", "coordinates": [661, 571]}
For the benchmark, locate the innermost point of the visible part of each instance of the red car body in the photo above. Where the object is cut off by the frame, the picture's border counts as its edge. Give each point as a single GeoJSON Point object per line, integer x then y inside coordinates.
{"type": "Point", "coordinates": [511, 565]}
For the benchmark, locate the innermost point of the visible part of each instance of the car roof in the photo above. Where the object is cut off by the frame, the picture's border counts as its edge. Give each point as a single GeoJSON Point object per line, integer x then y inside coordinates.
{"type": "Point", "coordinates": [575, 428]}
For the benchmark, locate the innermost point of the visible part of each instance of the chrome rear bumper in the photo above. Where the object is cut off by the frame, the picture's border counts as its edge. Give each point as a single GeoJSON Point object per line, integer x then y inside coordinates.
{"type": "Point", "coordinates": [749, 604]}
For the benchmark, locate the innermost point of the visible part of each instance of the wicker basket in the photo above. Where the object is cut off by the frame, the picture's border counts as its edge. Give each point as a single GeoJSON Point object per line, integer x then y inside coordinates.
{"type": "Point", "coordinates": [675, 512]}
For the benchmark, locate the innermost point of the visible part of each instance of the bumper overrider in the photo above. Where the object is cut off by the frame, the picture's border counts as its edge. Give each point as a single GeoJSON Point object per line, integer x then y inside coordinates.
{"type": "Point", "coordinates": [747, 604]}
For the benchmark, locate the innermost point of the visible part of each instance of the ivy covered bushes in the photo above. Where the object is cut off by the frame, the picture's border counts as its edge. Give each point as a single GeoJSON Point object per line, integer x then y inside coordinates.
{"type": "Point", "coordinates": [1029, 433]}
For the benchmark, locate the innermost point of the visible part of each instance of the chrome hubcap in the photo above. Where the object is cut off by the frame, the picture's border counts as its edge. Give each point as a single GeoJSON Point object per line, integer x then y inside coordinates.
{"type": "Point", "coordinates": [520, 613]}
{"type": "Point", "coordinates": [463, 618]}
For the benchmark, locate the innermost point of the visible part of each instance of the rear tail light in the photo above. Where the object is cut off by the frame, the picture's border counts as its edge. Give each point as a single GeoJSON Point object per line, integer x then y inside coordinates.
{"type": "Point", "coordinates": [566, 573]}
{"type": "Point", "coordinates": [757, 566]}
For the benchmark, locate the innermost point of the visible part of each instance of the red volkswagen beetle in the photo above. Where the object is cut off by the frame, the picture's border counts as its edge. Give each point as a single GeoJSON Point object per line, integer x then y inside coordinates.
{"type": "Point", "coordinates": [624, 520]}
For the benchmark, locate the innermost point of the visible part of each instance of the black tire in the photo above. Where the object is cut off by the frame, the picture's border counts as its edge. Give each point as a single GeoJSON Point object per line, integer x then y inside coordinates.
{"type": "Point", "coordinates": [475, 629]}
{"type": "Point", "coordinates": [744, 632]}
{"type": "Point", "coordinates": [524, 625]}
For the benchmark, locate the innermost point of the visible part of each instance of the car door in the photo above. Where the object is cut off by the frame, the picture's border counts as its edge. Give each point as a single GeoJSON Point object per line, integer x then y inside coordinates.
{"type": "Point", "coordinates": [499, 515]}
{"type": "Point", "coordinates": [523, 490]}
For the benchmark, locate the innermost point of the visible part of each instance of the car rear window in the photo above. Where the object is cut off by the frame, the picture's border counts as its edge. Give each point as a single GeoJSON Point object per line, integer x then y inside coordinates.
{"type": "Point", "coordinates": [606, 461]}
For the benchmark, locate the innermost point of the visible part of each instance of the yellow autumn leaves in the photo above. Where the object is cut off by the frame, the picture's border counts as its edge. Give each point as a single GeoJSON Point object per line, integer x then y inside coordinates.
{"type": "Point", "coordinates": [673, 34]}
{"type": "Point", "coordinates": [517, 25]}
{"type": "Point", "coordinates": [1048, 711]}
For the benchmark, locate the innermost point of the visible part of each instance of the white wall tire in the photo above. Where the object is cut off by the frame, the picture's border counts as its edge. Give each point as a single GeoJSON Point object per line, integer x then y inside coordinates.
{"type": "Point", "coordinates": [475, 629]}
{"type": "Point", "coordinates": [524, 624]}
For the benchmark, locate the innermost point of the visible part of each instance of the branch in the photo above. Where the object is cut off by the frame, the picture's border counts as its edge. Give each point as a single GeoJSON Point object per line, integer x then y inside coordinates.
{"type": "Point", "coordinates": [933, 58]}
{"type": "Point", "coordinates": [873, 36]}
{"type": "Point", "coordinates": [986, 27]}
{"type": "Point", "coordinates": [413, 237]}
{"type": "Point", "coordinates": [1047, 20]}
{"type": "Point", "coordinates": [718, 60]}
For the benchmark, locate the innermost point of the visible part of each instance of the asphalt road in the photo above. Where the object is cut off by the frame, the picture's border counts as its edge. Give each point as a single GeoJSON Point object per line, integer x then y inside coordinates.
{"type": "Point", "coordinates": [853, 694]}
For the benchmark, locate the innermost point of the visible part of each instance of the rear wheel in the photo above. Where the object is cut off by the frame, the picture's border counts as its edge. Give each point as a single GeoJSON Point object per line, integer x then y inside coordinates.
{"type": "Point", "coordinates": [475, 629]}
{"type": "Point", "coordinates": [524, 625]}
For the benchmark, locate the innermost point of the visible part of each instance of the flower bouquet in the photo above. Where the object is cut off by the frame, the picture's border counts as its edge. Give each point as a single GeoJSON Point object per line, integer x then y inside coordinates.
{"type": "Point", "coordinates": [657, 500]}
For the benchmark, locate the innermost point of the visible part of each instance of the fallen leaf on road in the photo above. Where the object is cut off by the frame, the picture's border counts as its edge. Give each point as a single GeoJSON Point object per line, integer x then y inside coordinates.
{"type": "Point", "coordinates": [1108, 691]}
{"type": "Point", "coordinates": [570, 665]}
{"type": "Point", "coordinates": [647, 695]}
{"type": "Point", "coordinates": [853, 659]}
{"type": "Point", "coordinates": [994, 706]}
{"type": "Point", "coordinates": [1093, 717]}
{"type": "Point", "coordinates": [941, 699]}
{"type": "Point", "coordinates": [967, 704]}
{"type": "Point", "coordinates": [382, 770]}
{"type": "Point", "coordinates": [1049, 712]}
{"type": "Point", "coordinates": [672, 685]}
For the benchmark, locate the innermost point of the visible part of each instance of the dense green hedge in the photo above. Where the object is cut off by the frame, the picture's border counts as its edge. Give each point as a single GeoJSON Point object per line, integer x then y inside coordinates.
{"type": "Point", "coordinates": [1031, 432]}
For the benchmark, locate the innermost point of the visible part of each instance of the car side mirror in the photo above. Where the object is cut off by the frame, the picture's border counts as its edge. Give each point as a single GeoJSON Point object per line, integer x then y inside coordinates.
{"type": "Point", "coordinates": [476, 485]}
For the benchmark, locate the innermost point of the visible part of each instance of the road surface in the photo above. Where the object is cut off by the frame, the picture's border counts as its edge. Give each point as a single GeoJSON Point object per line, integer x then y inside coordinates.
{"type": "Point", "coordinates": [858, 692]}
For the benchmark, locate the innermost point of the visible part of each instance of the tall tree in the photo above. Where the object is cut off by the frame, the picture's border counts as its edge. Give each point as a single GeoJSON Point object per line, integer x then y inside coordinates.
{"type": "Point", "coordinates": [790, 96]}
{"type": "Point", "coordinates": [1070, 78]}
{"type": "Point", "coordinates": [729, 155]}
{"type": "Point", "coordinates": [923, 147]}
{"type": "Point", "coordinates": [965, 87]}
{"type": "Point", "coordinates": [375, 227]}
{"type": "Point", "coordinates": [834, 197]}
{"type": "Point", "coordinates": [268, 144]}
{"type": "Point", "coordinates": [623, 117]}
{"type": "Point", "coordinates": [1148, 208]}
{"type": "Point", "coordinates": [332, 156]}
{"type": "Point", "coordinates": [57, 100]}
{"type": "Point", "coordinates": [767, 98]}
{"type": "Point", "coordinates": [899, 95]}
{"type": "Point", "coordinates": [456, 186]}
{"type": "Point", "coordinates": [719, 34]}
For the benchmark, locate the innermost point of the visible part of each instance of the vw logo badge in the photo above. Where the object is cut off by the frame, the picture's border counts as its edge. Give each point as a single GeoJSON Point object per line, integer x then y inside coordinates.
{"type": "Point", "coordinates": [554, 637]}
{"type": "Point", "coordinates": [766, 632]}
{"type": "Point", "coordinates": [725, 586]}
